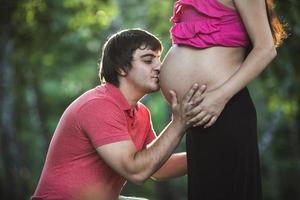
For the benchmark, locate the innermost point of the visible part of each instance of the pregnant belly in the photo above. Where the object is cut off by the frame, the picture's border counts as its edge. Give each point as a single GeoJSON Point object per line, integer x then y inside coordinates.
{"type": "Point", "coordinates": [184, 66]}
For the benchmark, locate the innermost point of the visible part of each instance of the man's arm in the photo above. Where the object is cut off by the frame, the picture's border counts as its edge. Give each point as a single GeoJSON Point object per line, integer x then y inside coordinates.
{"type": "Point", "coordinates": [138, 166]}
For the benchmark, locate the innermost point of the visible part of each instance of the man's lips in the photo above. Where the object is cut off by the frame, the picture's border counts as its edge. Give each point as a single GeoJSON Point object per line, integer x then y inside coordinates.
{"type": "Point", "coordinates": [156, 78]}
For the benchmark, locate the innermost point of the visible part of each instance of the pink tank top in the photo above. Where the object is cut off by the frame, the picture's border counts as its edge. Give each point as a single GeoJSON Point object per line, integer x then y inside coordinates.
{"type": "Point", "coordinates": [206, 23]}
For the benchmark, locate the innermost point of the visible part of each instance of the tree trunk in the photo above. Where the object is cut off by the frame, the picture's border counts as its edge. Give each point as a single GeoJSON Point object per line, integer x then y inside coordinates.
{"type": "Point", "coordinates": [12, 183]}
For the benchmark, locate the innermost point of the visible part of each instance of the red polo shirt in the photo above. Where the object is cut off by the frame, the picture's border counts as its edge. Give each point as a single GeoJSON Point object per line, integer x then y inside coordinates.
{"type": "Point", "coordinates": [98, 117]}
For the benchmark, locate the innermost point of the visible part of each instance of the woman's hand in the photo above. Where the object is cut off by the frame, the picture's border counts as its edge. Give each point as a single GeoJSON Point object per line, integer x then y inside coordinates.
{"type": "Point", "coordinates": [182, 111]}
{"type": "Point", "coordinates": [209, 109]}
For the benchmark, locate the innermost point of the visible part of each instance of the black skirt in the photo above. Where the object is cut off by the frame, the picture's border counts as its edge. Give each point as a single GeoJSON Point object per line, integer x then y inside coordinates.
{"type": "Point", "coordinates": [223, 160]}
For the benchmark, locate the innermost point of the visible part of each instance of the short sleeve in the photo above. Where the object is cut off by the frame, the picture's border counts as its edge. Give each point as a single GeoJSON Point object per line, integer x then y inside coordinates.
{"type": "Point", "coordinates": [103, 122]}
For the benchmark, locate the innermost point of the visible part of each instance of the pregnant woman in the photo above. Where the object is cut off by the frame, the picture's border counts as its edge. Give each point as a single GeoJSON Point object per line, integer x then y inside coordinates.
{"type": "Point", "coordinates": [223, 44]}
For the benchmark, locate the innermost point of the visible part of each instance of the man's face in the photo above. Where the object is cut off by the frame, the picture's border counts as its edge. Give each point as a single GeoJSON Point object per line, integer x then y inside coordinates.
{"type": "Point", "coordinates": [145, 70]}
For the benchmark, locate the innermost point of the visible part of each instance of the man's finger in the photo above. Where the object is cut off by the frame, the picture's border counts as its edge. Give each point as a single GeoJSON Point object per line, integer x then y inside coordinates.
{"type": "Point", "coordinates": [191, 92]}
{"type": "Point", "coordinates": [197, 99]}
{"type": "Point", "coordinates": [202, 88]}
{"type": "Point", "coordinates": [174, 100]}
{"type": "Point", "coordinates": [198, 96]}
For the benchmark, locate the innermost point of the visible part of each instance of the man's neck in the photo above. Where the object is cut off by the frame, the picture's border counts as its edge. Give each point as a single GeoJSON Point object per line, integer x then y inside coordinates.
{"type": "Point", "coordinates": [132, 95]}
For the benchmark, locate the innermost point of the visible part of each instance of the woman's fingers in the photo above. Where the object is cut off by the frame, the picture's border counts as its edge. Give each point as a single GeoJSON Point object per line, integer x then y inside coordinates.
{"type": "Point", "coordinates": [194, 111]}
{"type": "Point", "coordinates": [197, 118]}
{"type": "Point", "coordinates": [211, 122]}
{"type": "Point", "coordinates": [204, 120]}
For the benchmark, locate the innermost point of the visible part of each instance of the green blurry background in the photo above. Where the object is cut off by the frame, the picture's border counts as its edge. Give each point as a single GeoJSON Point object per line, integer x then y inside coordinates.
{"type": "Point", "coordinates": [49, 51]}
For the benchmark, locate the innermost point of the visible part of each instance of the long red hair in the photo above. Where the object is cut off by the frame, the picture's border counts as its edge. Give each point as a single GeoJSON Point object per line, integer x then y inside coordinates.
{"type": "Point", "coordinates": [277, 28]}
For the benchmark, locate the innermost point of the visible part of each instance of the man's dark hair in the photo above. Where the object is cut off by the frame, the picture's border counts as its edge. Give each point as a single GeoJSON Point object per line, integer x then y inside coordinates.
{"type": "Point", "coordinates": [117, 52]}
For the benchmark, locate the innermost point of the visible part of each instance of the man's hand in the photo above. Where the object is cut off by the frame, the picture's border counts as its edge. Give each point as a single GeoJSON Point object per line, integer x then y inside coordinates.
{"type": "Point", "coordinates": [183, 112]}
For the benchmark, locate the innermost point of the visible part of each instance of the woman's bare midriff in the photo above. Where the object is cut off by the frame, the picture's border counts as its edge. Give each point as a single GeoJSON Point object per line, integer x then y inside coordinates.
{"type": "Point", "coordinates": [184, 65]}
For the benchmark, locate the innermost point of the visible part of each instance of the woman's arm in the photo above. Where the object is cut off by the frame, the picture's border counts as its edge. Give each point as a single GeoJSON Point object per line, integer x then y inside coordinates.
{"type": "Point", "coordinates": [176, 166]}
{"type": "Point", "coordinates": [254, 16]}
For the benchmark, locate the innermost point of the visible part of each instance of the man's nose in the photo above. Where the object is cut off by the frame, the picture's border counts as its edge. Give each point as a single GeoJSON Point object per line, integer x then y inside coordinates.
{"type": "Point", "coordinates": [158, 65]}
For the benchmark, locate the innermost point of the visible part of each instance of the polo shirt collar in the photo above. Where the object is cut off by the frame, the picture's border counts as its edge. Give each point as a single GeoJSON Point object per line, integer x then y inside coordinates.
{"type": "Point", "coordinates": [117, 95]}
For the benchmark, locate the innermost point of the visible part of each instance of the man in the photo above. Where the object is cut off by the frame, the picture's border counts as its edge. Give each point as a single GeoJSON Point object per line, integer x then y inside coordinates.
{"type": "Point", "coordinates": [105, 136]}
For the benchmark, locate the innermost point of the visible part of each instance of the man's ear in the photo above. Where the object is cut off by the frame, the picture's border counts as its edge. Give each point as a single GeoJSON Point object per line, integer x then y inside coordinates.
{"type": "Point", "coordinates": [121, 72]}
